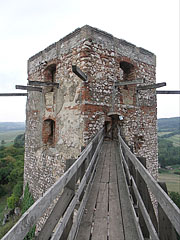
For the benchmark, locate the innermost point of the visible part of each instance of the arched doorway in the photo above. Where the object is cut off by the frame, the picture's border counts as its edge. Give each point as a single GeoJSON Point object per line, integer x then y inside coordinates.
{"type": "Point", "coordinates": [112, 122]}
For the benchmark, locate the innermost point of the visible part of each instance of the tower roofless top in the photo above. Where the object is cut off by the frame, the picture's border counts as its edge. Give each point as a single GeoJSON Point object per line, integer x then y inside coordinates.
{"type": "Point", "coordinates": [87, 32]}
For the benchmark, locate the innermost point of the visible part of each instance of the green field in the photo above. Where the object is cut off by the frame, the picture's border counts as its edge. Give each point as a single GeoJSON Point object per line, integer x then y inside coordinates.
{"type": "Point", "coordinates": [172, 181]}
{"type": "Point", "coordinates": [175, 139]}
{"type": "Point", "coordinates": [9, 136]}
{"type": "Point", "coordinates": [160, 134]}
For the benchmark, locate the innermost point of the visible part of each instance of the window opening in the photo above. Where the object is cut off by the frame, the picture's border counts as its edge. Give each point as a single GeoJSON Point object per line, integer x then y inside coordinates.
{"type": "Point", "coordinates": [48, 132]}
{"type": "Point", "coordinates": [50, 75]}
{"type": "Point", "coordinates": [127, 72]}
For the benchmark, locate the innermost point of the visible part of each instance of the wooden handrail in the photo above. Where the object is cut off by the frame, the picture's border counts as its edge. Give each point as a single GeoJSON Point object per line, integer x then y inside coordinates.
{"type": "Point", "coordinates": [30, 217]}
{"type": "Point", "coordinates": [169, 207]}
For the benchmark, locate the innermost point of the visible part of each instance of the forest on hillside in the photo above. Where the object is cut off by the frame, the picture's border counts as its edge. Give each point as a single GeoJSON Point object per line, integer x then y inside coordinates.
{"type": "Point", "coordinates": [169, 141]}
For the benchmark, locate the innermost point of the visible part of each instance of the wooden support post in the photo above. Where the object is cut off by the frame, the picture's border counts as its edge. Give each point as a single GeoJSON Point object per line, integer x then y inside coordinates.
{"type": "Point", "coordinates": [29, 88]}
{"type": "Point", "coordinates": [13, 94]}
{"type": "Point", "coordinates": [46, 84]}
{"type": "Point", "coordinates": [137, 81]}
{"type": "Point", "coordinates": [166, 230]}
{"type": "Point", "coordinates": [133, 173]}
{"type": "Point", "coordinates": [71, 185]}
{"type": "Point", "coordinates": [143, 190]}
{"type": "Point", "coordinates": [55, 215]}
{"type": "Point", "coordinates": [168, 92]}
{"type": "Point", "coordinates": [79, 73]}
{"type": "Point", "coordinates": [151, 86]}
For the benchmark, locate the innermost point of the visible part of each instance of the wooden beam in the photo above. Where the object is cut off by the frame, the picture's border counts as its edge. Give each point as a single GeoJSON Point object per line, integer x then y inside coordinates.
{"type": "Point", "coordinates": [137, 81]}
{"type": "Point", "coordinates": [13, 94]}
{"type": "Point", "coordinates": [168, 92]}
{"type": "Point", "coordinates": [79, 73]}
{"type": "Point", "coordinates": [151, 86]}
{"type": "Point", "coordinates": [46, 84]}
{"type": "Point", "coordinates": [29, 88]}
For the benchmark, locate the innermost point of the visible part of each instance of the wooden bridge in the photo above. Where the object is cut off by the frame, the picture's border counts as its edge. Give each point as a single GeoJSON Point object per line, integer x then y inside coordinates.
{"type": "Point", "coordinates": [103, 195]}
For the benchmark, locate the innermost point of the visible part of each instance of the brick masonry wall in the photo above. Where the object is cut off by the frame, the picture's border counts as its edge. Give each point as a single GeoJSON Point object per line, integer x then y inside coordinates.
{"type": "Point", "coordinates": [80, 109]}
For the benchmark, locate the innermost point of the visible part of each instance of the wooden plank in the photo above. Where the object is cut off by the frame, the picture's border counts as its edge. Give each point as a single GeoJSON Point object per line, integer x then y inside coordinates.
{"type": "Point", "coordinates": [87, 219]}
{"type": "Point", "coordinates": [55, 215]}
{"type": "Point", "coordinates": [145, 214]}
{"type": "Point", "coordinates": [13, 94]}
{"type": "Point", "coordinates": [170, 208]}
{"type": "Point", "coordinates": [129, 224]}
{"type": "Point", "coordinates": [151, 86]}
{"type": "Point", "coordinates": [132, 82]}
{"type": "Point", "coordinates": [128, 200]}
{"type": "Point", "coordinates": [100, 229]}
{"type": "Point", "coordinates": [116, 231]}
{"type": "Point", "coordinates": [29, 88]}
{"type": "Point", "coordinates": [168, 92]}
{"type": "Point", "coordinates": [46, 84]}
{"type": "Point", "coordinates": [112, 167]}
{"type": "Point", "coordinates": [105, 172]}
{"type": "Point", "coordinates": [79, 73]}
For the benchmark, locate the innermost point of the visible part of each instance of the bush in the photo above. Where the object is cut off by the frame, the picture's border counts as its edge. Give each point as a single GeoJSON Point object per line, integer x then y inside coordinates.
{"type": "Point", "coordinates": [12, 201]}
{"type": "Point", "coordinates": [18, 189]}
{"type": "Point", "coordinates": [2, 191]}
{"type": "Point", "coordinates": [175, 196]}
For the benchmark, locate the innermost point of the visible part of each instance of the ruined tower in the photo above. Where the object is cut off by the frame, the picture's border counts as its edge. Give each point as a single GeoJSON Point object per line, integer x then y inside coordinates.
{"type": "Point", "coordinates": [65, 115]}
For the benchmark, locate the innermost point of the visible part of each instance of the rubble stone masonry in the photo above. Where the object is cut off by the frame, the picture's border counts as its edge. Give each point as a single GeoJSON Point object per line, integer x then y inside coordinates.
{"type": "Point", "coordinates": [60, 121]}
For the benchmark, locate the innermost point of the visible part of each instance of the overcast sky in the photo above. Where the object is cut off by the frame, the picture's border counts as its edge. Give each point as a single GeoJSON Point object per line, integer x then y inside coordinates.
{"type": "Point", "coordinates": [29, 26]}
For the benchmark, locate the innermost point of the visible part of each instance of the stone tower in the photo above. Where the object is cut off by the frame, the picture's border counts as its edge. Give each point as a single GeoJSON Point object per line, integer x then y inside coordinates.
{"type": "Point", "coordinates": [63, 118]}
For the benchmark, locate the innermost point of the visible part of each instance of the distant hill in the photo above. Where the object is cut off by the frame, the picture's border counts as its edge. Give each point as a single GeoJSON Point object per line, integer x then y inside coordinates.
{"type": "Point", "coordinates": [169, 129]}
{"type": "Point", "coordinates": [11, 126]}
{"type": "Point", "coordinates": [169, 124]}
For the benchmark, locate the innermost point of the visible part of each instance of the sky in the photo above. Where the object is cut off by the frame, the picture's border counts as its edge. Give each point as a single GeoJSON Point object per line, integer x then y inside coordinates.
{"type": "Point", "coordinates": [29, 26]}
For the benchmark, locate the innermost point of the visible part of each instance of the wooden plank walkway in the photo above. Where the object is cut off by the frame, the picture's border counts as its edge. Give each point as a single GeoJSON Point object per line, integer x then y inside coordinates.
{"type": "Point", "coordinates": [107, 214]}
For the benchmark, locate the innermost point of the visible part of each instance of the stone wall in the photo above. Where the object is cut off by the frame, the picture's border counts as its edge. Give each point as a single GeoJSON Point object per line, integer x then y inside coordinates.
{"type": "Point", "coordinates": [62, 120]}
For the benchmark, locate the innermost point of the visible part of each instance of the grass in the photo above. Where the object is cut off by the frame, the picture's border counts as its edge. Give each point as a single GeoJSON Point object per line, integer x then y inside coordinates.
{"type": "Point", "coordinates": [9, 136]}
{"type": "Point", "coordinates": [172, 181]}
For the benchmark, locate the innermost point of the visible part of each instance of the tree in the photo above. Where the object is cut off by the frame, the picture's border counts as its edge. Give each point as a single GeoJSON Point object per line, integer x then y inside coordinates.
{"type": "Point", "coordinates": [3, 142]}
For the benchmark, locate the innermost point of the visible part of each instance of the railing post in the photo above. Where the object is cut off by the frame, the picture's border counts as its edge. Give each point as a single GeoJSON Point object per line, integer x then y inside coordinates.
{"type": "Point", "coordinates": [144, 192]}
{"type": "Point", "coordinates": [166, 230]}
{"type": "Point", "coordinates": [133, 173]}
{"type": "Point", "coordinates": [71, 185]}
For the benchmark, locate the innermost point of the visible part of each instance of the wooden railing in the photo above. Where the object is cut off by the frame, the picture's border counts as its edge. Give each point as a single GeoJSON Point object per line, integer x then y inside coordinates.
{"type": "Point", "coordinates": [140, 183]}
{"type": "Point", "coordinates": [73, 188]}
